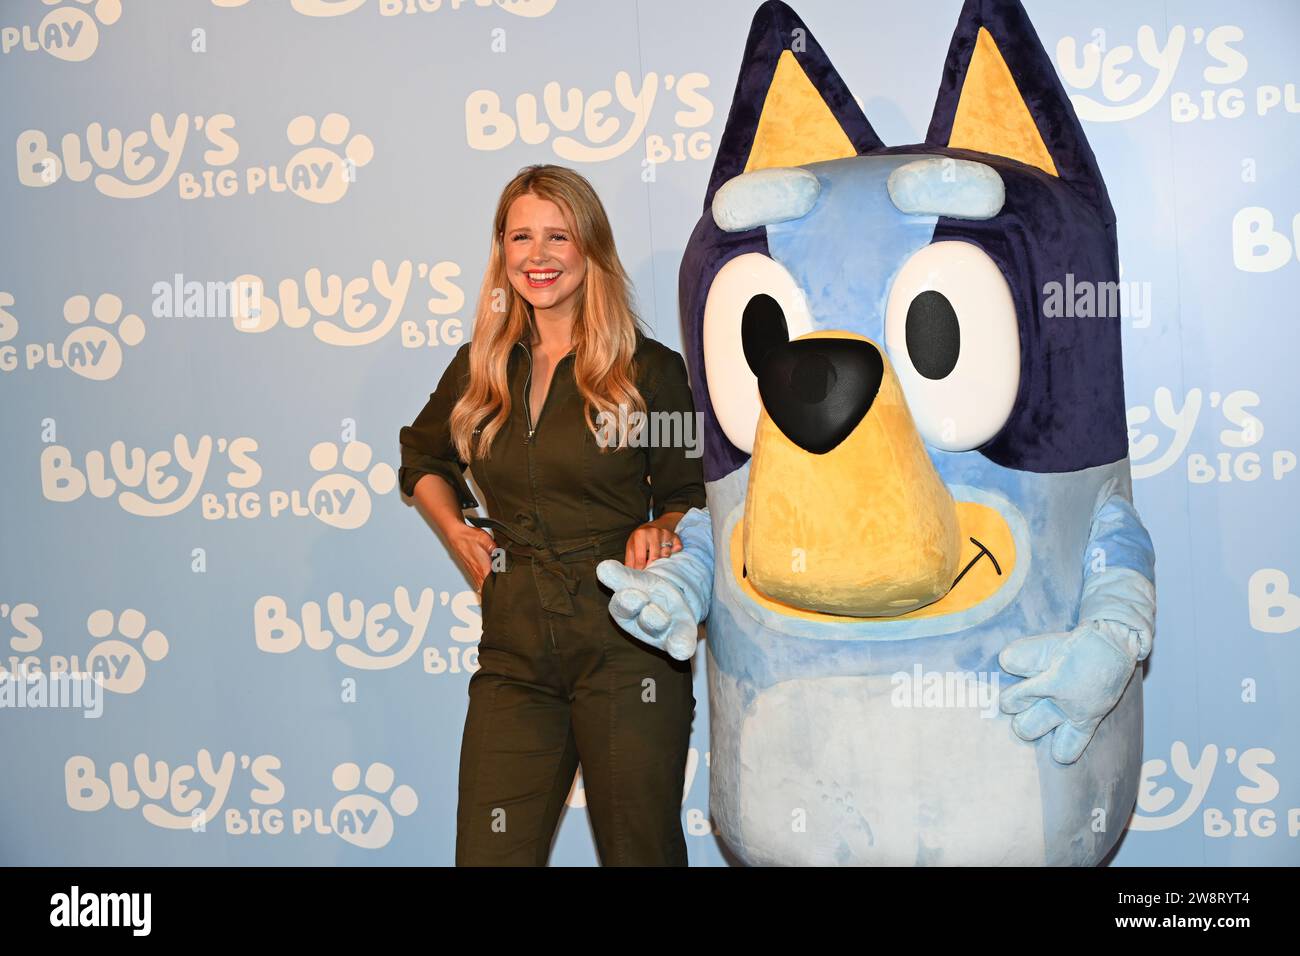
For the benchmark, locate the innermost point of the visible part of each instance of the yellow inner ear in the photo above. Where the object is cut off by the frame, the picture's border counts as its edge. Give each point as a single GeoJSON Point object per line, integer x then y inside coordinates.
{"type": "Point", "coordinates": [796, 126]}
{"type": "Point", "coordinates": [991, 114]}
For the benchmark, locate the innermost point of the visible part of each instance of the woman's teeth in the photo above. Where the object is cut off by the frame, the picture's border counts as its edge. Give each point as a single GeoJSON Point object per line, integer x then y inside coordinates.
{"type": "Point", "coordinates": [539, 280]}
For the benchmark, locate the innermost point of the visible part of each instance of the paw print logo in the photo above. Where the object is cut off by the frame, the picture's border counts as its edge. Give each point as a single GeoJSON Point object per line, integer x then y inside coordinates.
{"type": "Point", "coordinates": [364, 819]}
{"type": "Point", "coordinates": [95, 351]}
{"type": "Point", "coordinates": [70, 32]}
{"type": "Point", "coordinates": [120, 664]}
{"type": "Point", "coordinates": [319, 173]}
{"type": "Point", "coordinates": [338, 499]}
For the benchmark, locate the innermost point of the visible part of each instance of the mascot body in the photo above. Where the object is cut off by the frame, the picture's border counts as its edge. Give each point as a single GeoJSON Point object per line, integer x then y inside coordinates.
{"type": "Point", "coordinates": [926, 591]}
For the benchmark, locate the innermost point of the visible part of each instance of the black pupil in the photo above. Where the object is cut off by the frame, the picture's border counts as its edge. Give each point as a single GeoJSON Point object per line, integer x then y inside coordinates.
{"type": "Point", "coordinates": [762, 327]}
{"type": "Point", "coordinates": [933, 335]}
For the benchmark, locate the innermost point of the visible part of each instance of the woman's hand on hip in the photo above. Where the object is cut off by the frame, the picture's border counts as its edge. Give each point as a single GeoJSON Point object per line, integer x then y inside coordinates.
{"type": "Point", "coordinates": [650, 542]}
{"type": "Point", "coordinates": [473, 548]}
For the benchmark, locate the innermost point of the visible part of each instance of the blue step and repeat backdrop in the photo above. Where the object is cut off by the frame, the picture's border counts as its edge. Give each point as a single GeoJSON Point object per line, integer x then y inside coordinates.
{"type": "Point", "coordinates": [200, 505]}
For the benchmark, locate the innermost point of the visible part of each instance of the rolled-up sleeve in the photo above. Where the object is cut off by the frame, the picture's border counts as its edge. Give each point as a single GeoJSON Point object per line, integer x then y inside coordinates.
{"type": "Point", "coordinates": [427, 448]}
{"type": "Point", "coordinates": [676, 465]}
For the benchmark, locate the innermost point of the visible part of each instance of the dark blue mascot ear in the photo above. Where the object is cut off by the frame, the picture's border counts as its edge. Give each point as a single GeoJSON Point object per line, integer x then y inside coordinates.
{"type": "Point", "coordinates": [1000, 95]}
{"type": "Point", "coordinates": [999, 101]}
{"type": "Point", "coordinates": [790, 106]}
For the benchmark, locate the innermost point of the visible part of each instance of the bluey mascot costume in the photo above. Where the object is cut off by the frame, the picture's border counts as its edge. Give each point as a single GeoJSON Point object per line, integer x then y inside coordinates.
{"type": "Point", "coordinates": [926, 589]}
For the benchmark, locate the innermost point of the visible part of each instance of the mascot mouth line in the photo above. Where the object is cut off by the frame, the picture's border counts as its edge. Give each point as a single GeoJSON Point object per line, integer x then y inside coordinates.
{"type": "Point", "coordinates": [984, 552]}
{"type": "Point", "coordinates": [845, 516]}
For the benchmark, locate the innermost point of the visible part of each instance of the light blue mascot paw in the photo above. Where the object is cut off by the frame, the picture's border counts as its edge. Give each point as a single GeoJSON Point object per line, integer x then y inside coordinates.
{"type": "Point", "coordinates": [1074, 680]}
{"type": "Point", "coordinates": [664, 604]}
{"type": "Point", "coordinates": [650, 608]}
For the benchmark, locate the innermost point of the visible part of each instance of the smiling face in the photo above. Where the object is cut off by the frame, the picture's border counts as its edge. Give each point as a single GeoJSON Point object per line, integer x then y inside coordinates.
{"type": "Point", "coordinates": [543, 260]}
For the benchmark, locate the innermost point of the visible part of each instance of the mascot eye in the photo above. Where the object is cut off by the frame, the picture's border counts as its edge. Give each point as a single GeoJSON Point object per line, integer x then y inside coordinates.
{"type": "Point", "coordinates": [951, 332]}
{"type": "Point", "coordinates": [753, 305]}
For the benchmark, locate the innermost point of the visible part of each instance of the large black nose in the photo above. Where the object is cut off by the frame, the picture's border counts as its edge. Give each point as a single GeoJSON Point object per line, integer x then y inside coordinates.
{"type": "Point", "coordinates": [817, 390]}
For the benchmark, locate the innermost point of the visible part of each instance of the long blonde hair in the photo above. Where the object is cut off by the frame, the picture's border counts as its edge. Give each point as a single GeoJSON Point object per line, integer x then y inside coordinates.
{"type": "Point", "coordinates": [604, 326]}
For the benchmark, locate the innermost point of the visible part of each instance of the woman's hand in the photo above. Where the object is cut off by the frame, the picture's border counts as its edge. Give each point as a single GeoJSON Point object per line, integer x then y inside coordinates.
{"type": "Point", "coordinates": [473, 548]}
{"type": "Point", "coordinates": [652, 541]}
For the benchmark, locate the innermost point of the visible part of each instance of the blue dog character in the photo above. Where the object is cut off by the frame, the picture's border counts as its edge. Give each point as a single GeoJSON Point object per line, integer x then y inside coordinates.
{"type": "Point", "coordinates": [917, 470]}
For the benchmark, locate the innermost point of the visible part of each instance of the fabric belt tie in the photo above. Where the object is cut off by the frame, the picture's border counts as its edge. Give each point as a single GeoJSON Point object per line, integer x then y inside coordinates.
{"type": "Point", "coordinates": [556, 582]}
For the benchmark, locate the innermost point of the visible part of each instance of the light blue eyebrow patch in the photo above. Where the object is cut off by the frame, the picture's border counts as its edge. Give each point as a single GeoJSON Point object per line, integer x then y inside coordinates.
{"type": "Point", "coordinates": [764, 197]}
{"type": "Point", "coordinates": [943, 186]}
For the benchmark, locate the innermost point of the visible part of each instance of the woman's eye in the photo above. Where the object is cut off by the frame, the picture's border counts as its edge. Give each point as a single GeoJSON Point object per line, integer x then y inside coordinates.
{"type": "Point", "coordinates": [558, 235]}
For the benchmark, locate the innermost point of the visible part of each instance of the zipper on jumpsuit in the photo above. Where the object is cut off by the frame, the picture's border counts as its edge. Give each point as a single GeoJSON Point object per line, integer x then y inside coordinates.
{"type": "Point", "coordinates": [529, 441]}
{"type": "Point", "coordinates": [528, 385]}
{"type": "Point", "coordinates": [532, 426]}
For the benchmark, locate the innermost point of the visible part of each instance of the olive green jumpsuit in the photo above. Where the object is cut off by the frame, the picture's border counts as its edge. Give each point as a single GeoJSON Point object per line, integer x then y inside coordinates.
{"type": "Point", "coordinates": [559, 682]}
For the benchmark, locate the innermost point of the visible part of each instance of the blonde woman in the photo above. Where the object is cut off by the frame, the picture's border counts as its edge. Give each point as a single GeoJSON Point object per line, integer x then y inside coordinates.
{"type": "Point", "coordinates": [532, 404]}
